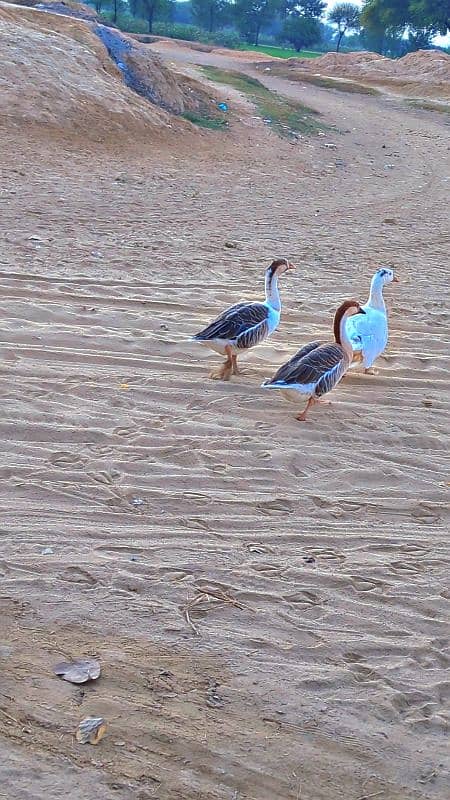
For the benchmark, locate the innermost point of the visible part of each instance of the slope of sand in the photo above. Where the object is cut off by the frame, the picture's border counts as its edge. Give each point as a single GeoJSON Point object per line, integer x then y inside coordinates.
{"type": "Point", "coordinates": [269, 600]}
{"type": "Point", "coordinates": [58, 75]}
{"type": "Point", "coordinates": [422, 74]}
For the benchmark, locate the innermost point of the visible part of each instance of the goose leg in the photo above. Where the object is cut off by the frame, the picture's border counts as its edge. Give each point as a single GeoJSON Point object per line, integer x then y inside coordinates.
{"type": "Point", "coordinates": [236, 370]}
{"type": "Point", "coordinates": [225, 371]}
{"type": "Point", "coordinates": [302, 417]}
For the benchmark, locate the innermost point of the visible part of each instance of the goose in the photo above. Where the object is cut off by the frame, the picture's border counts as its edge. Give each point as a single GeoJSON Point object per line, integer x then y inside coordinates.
{"type": "Point", "coordinates": [246, 324]}
{"type": "Point", "coordinates": [317, 368]}
{"type": "Point", "coordinates": [369, 333]}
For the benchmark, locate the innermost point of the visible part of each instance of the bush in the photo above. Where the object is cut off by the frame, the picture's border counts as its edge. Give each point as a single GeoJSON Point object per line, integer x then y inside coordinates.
{"type": "Point", "coordinates": [226, 39]}
{"type": "Point", "coordinates": [189, 33]}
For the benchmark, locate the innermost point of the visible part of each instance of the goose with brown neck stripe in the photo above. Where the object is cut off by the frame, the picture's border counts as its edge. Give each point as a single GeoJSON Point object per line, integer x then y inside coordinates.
{"type": "Point", "coordinates": [246, 324]}
{"type": "Point", "coordinates": [317, 368]}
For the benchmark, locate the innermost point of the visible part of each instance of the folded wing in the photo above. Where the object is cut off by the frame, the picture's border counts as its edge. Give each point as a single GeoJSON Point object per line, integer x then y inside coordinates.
{"type": "Point", "coordinates": [316, 365]}
{"type": "Point", "coordinates": [245, 323]}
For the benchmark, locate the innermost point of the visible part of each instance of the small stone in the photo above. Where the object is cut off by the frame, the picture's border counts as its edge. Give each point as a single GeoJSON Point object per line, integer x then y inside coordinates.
{"type": "Point", "coordinates": [389, 221]}
{"type": "Point", "coordinates": [119, 744]}
{"type": "Point", "coordinates": [47, 551]}
{"type": "Point", "coordinates": [137, 501]}
{"type": "Point", "coordinates": [231, 245]}
{"type": "Point", "coordinates": [427, 402]}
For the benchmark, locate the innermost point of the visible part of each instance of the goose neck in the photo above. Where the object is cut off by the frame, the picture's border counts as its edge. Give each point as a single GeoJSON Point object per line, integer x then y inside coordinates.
{"type": "Point", "coordinates": [272, 292]}
{"type": "Point", "coordinates": [376, 299]}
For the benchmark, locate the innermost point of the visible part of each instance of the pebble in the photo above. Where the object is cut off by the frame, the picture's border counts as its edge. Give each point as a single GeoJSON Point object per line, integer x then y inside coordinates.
{"type": "Point", "coordinates": [47, 551]}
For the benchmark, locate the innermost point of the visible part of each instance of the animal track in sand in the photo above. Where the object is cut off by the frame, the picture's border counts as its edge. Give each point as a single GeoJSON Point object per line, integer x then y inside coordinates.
{"type": "Point", "coordinates": [79, 575]}
{"type": "Point", "coordinates": [64, 459]}
{"type": "Point", "coordinates": [275, 507]}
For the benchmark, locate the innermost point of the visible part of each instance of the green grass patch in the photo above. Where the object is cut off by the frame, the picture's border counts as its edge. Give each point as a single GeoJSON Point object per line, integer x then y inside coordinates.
{"type": "Point", "coordinates": [206, 121]}
{"type": "Point", "coordinates": [429, 105]}
{"type": "Point", "coordinates": [286, 117]}
{"type": "Point", "coordinates": [280, 52]}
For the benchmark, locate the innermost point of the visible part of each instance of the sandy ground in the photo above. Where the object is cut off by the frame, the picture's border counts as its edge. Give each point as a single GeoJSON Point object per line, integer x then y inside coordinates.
{"type": "Point", "coordinates": [268, 599]}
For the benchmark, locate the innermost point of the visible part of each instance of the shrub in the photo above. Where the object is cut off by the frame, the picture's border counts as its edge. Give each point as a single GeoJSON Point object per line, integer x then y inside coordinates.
{"type": "Point", "coordinates": [189, 33]}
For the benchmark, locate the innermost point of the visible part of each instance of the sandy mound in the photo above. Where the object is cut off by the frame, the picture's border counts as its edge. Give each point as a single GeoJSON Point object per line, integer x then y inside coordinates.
{"type": "Point", "coordinates": [67, 7]}
{"type": "Point", "coordinates": [423, 74]}
{"type": "Point", "coordinates": [80, 77]}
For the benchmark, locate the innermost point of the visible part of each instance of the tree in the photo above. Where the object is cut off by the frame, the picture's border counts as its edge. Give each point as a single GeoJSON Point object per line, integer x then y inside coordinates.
{"type": "Point", "coordinates": [209, 13]}
{"type": "Point", "coordinates": [301, 31]}
{"type": "Point", "coordinates": [434, 13]}
{"type": "Point", "coordinates": [253, 15]}
{"type": "Point", "coordinates": [305, 8]}
{"type": "Point", "coordinates": [346, 17]}
{"type": "Point", "coordinates": [146, 9]}
{"type": "Point", "coordinates": [424, 18]}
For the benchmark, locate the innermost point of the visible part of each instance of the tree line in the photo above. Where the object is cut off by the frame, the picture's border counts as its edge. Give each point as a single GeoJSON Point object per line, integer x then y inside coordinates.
{"type": "Point", "coordinates": [391, 27]}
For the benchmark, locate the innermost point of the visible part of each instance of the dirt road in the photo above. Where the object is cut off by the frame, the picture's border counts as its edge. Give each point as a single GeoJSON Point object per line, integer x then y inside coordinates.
{"type": "Point", "coordinates": [268, 599]}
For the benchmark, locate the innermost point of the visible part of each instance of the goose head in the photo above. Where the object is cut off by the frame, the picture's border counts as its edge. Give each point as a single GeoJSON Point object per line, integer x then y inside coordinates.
{"type": "Point", "coordinates": [279, 266]}
{"type": "Point", "coordinates": [385, 275]}
{"type": "Point", "coordinates": [349, 308]}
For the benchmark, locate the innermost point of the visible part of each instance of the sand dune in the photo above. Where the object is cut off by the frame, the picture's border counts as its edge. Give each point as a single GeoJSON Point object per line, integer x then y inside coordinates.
{"type": "Point", "coordinates": [269, 600]}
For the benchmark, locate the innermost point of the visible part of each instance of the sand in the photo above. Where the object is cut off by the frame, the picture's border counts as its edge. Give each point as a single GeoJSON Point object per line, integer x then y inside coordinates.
{"type": "Point", "coordinates": [423, 74]}
{"type": "Point", "coordinates": [269, 600]}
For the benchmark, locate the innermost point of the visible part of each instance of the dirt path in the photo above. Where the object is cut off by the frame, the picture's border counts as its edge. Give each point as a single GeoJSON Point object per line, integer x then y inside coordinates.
{"type": "Point", "coordinates": [268, 600]}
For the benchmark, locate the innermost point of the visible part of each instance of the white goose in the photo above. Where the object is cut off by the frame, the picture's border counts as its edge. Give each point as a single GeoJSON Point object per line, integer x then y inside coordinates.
{"type": "Point", "coordinates": [245, 324]}
{"type": "Point", "coordinates": [369, 333]}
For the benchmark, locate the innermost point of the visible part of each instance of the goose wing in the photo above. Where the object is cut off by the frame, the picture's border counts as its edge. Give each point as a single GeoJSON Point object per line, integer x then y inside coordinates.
{"type": "Point", "coordinates": [368, 333]}
{"type": "Point", "coordinates": [290, 367]}
{"type": "Point", "coordinates": [320, 366]}
{"type": "Point", "coordinates": [242, 322]}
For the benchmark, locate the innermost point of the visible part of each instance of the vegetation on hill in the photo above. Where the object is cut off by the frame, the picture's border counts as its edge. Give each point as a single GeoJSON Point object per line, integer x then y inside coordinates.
{"type": "Point", "coordinates": [391, 27]}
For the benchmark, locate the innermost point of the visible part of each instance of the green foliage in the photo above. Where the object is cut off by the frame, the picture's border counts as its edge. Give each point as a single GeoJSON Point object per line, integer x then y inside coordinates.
{"type": "Point", "coordinates": [226, 39]}
{"type": "Point", "coordinates": [211, 14]}
{"type": "Point", "coordinates": [304, 8]}
{"type": "Point", "coordinates": [431, 13]}
{"type": "Point", "coordinates": [346, 18]}
{"type": "Point", "coordinates": [150, 10]}
{"type": "Point", "coordinates": [286, 117]}
{"type": "Point", "coordinates": [188, 33]}
{"type": "Point", "coordinates": [253, 15]}
{"type": "Point", "coordinates": [386, 21]}
{"type": "Point", "coordinates": [301, 31]}
{"type": "Point", "coordinates": [191, 33]}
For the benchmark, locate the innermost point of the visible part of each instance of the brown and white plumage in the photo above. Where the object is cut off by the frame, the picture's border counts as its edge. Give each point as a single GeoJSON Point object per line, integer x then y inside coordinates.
{"type": "Point", "coordinates": [245, 325]}
{"type": "Point", "coordinates": [317, 368]}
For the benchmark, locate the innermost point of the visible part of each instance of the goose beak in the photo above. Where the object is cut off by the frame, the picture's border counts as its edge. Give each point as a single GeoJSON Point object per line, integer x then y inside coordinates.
{"type": "Point", "coordinates": [395, 279]}
{"type": "Point", "coordinates": [361, 311]}
{"type": "Point", "coordinates": [290, 266]}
